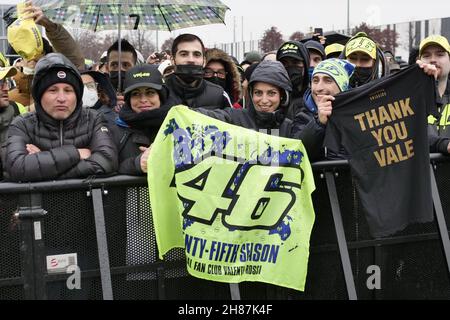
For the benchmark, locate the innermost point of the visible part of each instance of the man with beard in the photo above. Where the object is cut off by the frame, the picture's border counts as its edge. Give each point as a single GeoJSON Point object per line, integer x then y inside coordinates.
{"type": "Point", "coordinates": [295, 58]}
{"type": "Point", "coordinates": [186, 84]}
{"type": "Point", "coordinates": [435, 50]}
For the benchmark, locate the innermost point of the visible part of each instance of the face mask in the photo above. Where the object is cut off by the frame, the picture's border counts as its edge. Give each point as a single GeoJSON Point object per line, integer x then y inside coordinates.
{"type": "Point", "coordinates": [28, 71]}
{"type": "Point", "coordinates": [218, 81]}
{"type": "Point", "coordinates": [189, 72]}
{"type": "Point", "coordinates": [362, 75]}
{"type": "Point", "coordinates": [90, 97]}
{"type": "Point", "coordinates": [310, 72]}
{"type": "Point", "coordinates": [114, 78]}
{"type": "Point", "coordinates": [296, 76]}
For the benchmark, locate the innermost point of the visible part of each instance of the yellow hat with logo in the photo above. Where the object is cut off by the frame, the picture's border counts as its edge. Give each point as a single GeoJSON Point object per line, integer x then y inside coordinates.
{"type": "Point", "coordinates": [436, 40]}
{"type": "Point", "coordinates": [334, 48]}
{"type": "Point", "coordinates": [7, 72]}
{"type": "Point", "coordinates": [361, 42]}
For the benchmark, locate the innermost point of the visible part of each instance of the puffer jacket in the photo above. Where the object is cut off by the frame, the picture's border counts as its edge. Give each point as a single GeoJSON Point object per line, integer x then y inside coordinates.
{"type": "Point", "coordinates": [58, 140]}
{"type": "Point", "coordinates": [233, 80]}
{"type": "Point", "coordinates": [271, 72]}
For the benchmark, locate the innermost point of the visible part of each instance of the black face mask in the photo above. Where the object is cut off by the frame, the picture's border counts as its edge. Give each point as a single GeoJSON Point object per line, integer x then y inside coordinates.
{"type": "Point", "coordinates": [218, 81]}
{"type": "Point", "coordinates": [189, 72]}
{"type": "Point", "coordinates": [114, 78]}
{"type": "Point", "coordinates": [361, 75]}
{"type": "Point", "coordinates": [296, 76]}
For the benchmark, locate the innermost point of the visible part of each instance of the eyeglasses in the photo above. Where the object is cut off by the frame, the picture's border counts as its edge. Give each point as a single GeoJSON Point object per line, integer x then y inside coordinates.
{"type": "Point", "coordinates": [91, 85]}
{"type": "Point", "coordinates": [209, 73]}
{"type": "Point", "coordinates": [5, 82]}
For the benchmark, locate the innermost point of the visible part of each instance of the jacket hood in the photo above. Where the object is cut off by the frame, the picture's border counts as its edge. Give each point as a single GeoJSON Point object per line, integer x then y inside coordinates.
{"type": "Point", "coordinates": [233, 83]}
{"type": "Point", "coordinates": [296, 50]}
{"type": "Point", "coordinates": [44, 65]}
{"type": "Point", "coordinates": [105, 84]}
{"type": "Point", "coordinates": [272, 72]}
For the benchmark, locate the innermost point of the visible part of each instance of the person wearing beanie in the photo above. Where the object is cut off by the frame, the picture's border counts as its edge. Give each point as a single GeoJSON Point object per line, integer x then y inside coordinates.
{"type": "Point", "coordinates": [269, 91]}
{"type": "Point", "coordinates": [252, 57]}
{"type": "Point", "coordinates": [60, 140]}
{"type": "Point", "coordinates": [295, 58]}
{"type": "Point", "coordinates": [316, 54]}
{"type": "Point", "coordinates": [146, 105]}
{"type": "Point", "coordinates": [329, 78]}
{"type": "Point", "coordinates": [435, 50]}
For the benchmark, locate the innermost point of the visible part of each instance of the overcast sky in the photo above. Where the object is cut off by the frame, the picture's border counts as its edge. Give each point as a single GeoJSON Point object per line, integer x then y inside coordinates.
{"type": "Point", "coordinates": [292, 15]}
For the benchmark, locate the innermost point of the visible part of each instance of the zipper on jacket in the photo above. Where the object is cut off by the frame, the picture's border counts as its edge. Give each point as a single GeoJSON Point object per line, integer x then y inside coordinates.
{"type": "Point", "coordinates": [61, 132]}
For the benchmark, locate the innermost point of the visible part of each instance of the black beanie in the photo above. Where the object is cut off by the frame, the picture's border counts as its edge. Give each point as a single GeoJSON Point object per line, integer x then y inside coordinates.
{"type": "Point", "coordinates": [59, 75]}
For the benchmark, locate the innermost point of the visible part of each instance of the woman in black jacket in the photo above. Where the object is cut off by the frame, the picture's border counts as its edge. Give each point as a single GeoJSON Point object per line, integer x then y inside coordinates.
{"type": "Point", "coordinates": [269, 90]}
{"type": "Point", "coordinates": [146, 105]}
{"type": "Point", "coordinates": [60, 140]}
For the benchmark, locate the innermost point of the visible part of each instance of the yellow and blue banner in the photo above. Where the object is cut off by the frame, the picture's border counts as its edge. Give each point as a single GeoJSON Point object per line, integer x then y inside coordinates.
{"type": "Point", "coordinates": [237, 200]}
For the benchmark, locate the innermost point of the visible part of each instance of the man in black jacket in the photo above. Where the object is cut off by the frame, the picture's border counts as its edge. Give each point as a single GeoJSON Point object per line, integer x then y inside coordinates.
{"type": "Point", "coordinates": [186, 84]}
{"type": "Point", "coordinates": [295, 58]}
{"type": "Point", "coordinates": [61, 140]}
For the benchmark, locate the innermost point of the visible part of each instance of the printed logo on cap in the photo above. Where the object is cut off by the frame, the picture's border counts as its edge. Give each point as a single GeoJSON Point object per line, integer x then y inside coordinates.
{"type": "Point", "coordinates": [141, 75]}
{"type": "Point", "coordinates": [61, 75]}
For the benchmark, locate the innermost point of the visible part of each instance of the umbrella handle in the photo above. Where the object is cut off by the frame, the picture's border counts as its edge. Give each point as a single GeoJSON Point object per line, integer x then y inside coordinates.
{"type": "Point", "coordinates": [138, 19]}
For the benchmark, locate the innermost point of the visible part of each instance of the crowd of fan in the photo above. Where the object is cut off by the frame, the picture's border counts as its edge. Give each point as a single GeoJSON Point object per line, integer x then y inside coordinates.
{"type": "Point", "coordinates": [61, 119]}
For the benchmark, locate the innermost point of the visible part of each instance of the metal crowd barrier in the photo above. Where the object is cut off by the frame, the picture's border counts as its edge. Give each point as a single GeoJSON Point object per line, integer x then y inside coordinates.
{"type": "Point", "coordinates": [107, 224]}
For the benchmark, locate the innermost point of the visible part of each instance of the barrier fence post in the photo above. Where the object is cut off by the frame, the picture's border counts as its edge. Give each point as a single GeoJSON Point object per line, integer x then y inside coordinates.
{"type": "Point", "coordinates": [340, 234]}
{"type": "Point", "coordinates": [442, 226]}
{"type": "Point", "coordinates": [32, 246]}
{"type": "Point", "coordinates": [102, 244]}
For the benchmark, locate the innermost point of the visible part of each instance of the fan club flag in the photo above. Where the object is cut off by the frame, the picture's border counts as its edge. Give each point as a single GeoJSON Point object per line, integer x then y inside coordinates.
{"type": "Point", "coordinates": [237, 200]}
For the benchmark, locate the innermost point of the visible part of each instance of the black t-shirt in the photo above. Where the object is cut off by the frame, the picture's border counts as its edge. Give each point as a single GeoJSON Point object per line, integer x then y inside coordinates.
{"type": "Point", "coordinates": [383, 126]}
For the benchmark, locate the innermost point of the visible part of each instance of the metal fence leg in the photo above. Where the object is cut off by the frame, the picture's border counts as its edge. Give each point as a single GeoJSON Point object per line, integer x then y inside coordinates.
{"type": "Point", "coordinates": [443, 231]}
{"type": "Point", "coordinates": [102, 244]}
{"type": "Point", "coordinates": [340, 234]}
{"type": "Point", "coordinates": [32, 246]}
{"type": "Point", "coordinates": [234, 291]}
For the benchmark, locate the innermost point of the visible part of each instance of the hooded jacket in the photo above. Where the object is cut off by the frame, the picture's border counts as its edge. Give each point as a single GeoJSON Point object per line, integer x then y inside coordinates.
{"type": "Point", "coordinates": [233, 80]}
{"type": "Point", "coordinates": [296, 104]}
{"type": "Point", "coordinates": [308, 128]}
{"type": "Point", "coordinates": [271, 72]}
{"type": "Point", "coordinates": [58, 140]}
{"type": "Point", "coordinates": [105, 85]}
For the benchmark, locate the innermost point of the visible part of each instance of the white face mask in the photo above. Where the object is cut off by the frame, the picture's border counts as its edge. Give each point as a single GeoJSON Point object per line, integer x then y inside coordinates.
{"type": "Point", "coordinates": [90, 97]}
{"type": "Point", "coordinates": [28, 71]}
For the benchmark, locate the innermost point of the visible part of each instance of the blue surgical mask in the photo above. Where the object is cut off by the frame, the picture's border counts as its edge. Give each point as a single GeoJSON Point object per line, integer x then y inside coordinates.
{"type": "Point", "coordinates": [310, 71]}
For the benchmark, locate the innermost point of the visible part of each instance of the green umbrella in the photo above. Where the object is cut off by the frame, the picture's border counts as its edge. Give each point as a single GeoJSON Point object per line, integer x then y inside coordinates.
{"type": "Point", "coordinates": [166, 15]}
